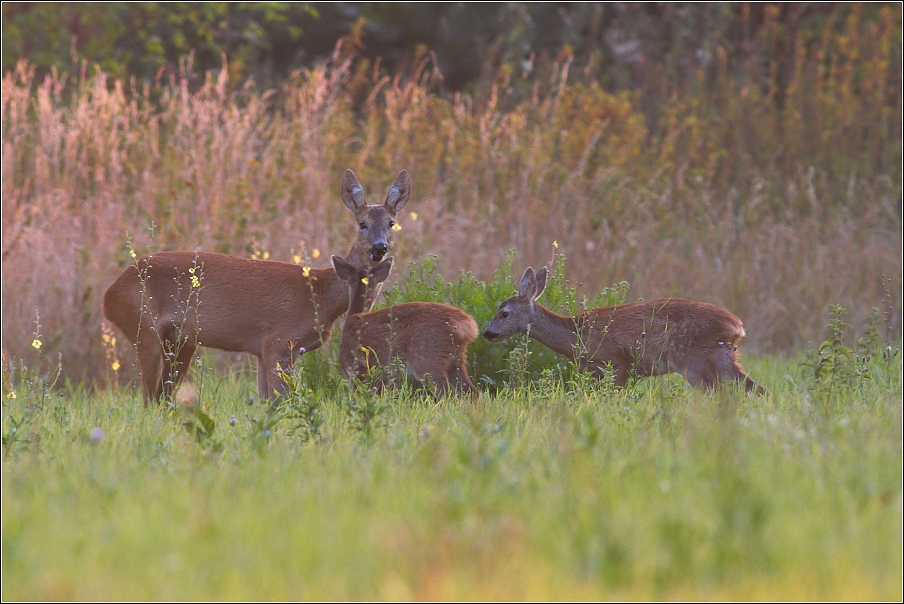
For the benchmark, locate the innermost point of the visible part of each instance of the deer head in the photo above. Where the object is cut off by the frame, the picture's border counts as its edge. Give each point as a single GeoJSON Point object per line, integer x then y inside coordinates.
{"type": "Point", "coordinates": [375, 222]}
{"type": "Point", "coordinates": [516, 313]}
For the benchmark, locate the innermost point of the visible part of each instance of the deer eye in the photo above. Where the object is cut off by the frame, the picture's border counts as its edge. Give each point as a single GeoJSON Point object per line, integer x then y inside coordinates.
{"type": "Point", "coordinates": [363, 226]}
{"type": "Point", "coordinates": [504, 314]}
{"type": "Point", "coordinates": [391, 223]}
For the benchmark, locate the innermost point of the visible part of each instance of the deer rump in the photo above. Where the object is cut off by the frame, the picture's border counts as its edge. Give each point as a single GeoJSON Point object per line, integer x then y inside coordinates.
{"type": "Point", "coordinates": [428, 339]}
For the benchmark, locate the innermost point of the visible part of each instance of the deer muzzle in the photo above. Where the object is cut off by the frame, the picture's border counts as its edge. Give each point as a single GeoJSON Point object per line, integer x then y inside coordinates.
{"type": "Point", "coordinates": [378, 251]}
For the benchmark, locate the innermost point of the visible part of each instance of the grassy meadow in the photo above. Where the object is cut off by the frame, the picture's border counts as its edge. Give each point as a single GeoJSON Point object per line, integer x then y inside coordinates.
{"type": "Point", "coordinates": [557, 490]}
{"type": "Point", "coordinates": [551, 485]}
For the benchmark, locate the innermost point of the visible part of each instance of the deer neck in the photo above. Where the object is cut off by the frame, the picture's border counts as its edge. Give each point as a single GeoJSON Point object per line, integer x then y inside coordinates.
{"type": "Point", "coordinates": [357, 299]}
{"type": "Point", "coordinates": [336, 298]}
{"type": "Point", "coordinates": [355, 259]}
{"type": "Point", "coordinates": [360, 296]}
{"type": "Point", "coordinates": [553, 330]}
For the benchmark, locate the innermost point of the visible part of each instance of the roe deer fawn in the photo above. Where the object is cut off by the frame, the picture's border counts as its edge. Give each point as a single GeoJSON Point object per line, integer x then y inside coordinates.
{"type": "Point", "coordinates": [653, 337]}
{"type": "Point", "coordinates": [429, 339]}
{"type": "Point", "coordinates": [169, 303]}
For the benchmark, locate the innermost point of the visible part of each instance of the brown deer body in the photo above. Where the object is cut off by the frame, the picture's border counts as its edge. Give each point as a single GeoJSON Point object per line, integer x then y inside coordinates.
{"type": "Point", "coordinates": [169, 303]}
{"type": "Point", "coordinates": [431, 340]}
{"type": "Point", "coordinates": [652, 337]}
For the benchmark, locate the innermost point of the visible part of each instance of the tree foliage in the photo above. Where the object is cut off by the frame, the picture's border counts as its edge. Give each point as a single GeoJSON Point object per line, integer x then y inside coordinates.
{"type": "Point", "coordinates": [624, 45]}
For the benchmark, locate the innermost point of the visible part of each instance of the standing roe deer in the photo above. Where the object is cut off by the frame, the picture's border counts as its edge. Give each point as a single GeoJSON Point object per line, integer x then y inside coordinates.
{"type": "Point", "coordinates": [653, 337]}
{"type": "Point", "coordinates": [167, 304]}
{"type": "Point", "coordinates": [430, 339]}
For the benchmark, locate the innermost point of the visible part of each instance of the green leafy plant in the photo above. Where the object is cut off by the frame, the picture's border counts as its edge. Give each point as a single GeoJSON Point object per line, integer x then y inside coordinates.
{"type": "Point", "coordinates": [302, 406]}
{"type": "Point", "coordinates": [366, 408]}
{"type": "Point", "coordinates": [201, 427]}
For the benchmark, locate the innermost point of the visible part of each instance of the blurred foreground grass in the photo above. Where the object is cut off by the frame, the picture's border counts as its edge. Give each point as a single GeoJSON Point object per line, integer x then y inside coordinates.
{"type": "Point", "coordinates": [551, 491]}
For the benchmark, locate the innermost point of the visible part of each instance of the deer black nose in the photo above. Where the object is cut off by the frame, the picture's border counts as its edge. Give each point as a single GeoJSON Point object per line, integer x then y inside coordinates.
{"type": "Point", "coordinates": [378, 250]}
{"type": "Point", "coordinates": [489, 335]}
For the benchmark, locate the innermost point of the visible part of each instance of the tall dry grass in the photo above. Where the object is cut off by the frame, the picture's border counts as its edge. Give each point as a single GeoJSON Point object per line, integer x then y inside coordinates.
{"type": "Point", "coordinates": [773, 213]}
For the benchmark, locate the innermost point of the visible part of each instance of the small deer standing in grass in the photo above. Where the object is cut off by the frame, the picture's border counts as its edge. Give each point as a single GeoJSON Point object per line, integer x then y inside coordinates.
{"type": "Point", "coordinates": [167, 304]}
{"type": "Point", "coordinates": [653, 337]}
{"type": "Point", "coordinates": [430, 339]}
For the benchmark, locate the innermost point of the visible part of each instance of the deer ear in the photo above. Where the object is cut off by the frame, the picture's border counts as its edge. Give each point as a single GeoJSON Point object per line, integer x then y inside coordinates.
{"type": "Point", "coordinates": [380, 272]}
{"type": "Point", "coordinates": [398, 194]}
{"type": "Point", "coordinates": [352, 193]}
{"type": "Point", "coordinates": [527, 288]}
{"type": "Point", "coordinates": [345, 270]}
{"type": "Point", "coordinates": [542, 274]}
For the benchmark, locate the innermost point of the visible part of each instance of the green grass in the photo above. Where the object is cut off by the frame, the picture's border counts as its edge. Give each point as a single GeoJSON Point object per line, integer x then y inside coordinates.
{"type": "Point", "coordinates": [545, 492]}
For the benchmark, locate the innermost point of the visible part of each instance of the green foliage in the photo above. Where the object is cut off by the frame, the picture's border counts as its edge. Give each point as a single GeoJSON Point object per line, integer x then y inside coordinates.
{"type": "Point", "coordinates": [146, 38]}
{"type": "Point", "coordinates": [366, 412]}
{"type": "Point", "coordinates": [201, 426]}
{"type": "Point", "coordinates": [836, 369]}
{"type": "Point", "coordinates": [301, 406]}
{"type": "Point", "coordinates": [833, 362]}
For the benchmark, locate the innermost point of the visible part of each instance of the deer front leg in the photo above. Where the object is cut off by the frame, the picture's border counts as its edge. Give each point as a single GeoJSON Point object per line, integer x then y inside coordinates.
{"type": "Point", "coordinates": [277, 357]}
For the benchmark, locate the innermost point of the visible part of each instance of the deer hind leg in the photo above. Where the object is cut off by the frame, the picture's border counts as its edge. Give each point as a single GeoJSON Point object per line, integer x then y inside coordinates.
{"type": "Point", "coordinates": [458, 375]}
{"type": "Point", "coordinates": [261, 379]}
{"type": "Point", "coordinates": [150, 362]}
{"type": "Point", "coordinates": [442, 384]}
{"type": "Point", "coordinates": [174, 370]}
{"type": "Point", "coordinates": [700, 374]}
{"type": "Point", "coordinates": [737, 374]}
{"type": "Point", "coordinates": [749, 385]}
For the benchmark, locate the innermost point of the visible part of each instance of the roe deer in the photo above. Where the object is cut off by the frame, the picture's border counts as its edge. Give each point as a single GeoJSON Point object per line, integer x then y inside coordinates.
{"type": "Point", "coordinates": [430, 339]}
{"type": "Point", "coordinates": [653, 337]}
{"type": "Point", "coordinates": [169, 303]}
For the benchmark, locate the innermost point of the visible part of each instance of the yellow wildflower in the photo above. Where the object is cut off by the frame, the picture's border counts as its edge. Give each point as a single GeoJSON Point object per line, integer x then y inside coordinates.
{"type": "Point", "coordinates": [555, 245]}
{"type": "Point", "coordinates": [12, 394]}
{"type": "Point", "coordinates": [266, 255]}
{"type": "Point", "coordinates": [195, 282]}
{"type": "Point", "coordinates": [133, 254]}
{"type": "Point", "coordinates": [191, 270]}
{"type": "Point", "coordinates": [315, 254]}
{"type": "Point", "coordinates": [115, 366]}
{"type": "Point", "coordinates": [306, 271]}
{"type": "Point", "coordinates": [296, 259]}
{"type": "Point", "coordinates": [364, 280]}
{"type": "Point", "coordinates": [413, 215]}
{"type": "Point", "coordinates": [36, 344]}
{"type": "Point", "coordinates": [397, 227]}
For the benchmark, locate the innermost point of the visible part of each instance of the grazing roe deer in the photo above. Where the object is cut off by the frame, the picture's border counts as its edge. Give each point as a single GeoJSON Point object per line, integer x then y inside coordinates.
{"type": "Point", "coordinates": [169, 303]}
{"type": "Point", "coordinates": [653, 337]}
{"type": "Point", "coordinates": [429, 339]}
